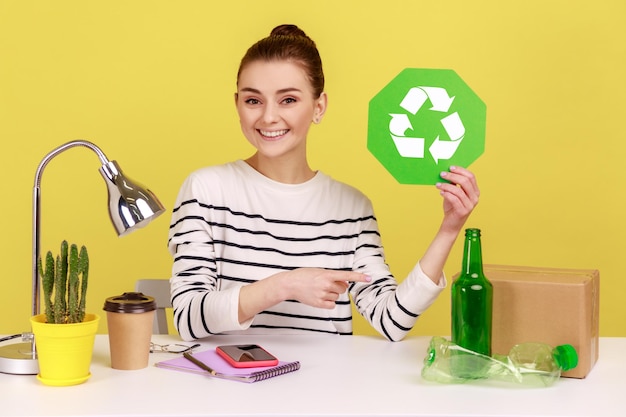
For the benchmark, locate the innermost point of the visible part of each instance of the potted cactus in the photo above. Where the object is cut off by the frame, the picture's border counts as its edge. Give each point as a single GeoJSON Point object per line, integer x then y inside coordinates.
{"type": "Point", "coordinates": [65, 334]}
{"type": "Point", "coordinates": [65, 284]}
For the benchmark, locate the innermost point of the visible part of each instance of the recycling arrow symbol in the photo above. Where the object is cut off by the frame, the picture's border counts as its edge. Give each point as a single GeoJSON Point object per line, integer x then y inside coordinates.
{"type": "Point", "coordinates": [413, 147]}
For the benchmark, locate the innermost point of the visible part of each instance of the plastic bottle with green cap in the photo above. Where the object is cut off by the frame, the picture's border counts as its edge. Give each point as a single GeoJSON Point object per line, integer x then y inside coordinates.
{"type": "Point", "coordinates": [529, 364]}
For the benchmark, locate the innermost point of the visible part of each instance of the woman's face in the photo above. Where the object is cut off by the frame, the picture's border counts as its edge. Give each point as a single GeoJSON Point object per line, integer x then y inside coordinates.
{"type": "Point", "coordinates": [276, 107]}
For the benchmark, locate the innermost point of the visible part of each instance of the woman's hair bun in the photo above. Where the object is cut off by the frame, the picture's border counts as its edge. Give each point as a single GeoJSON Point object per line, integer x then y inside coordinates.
{"type": "Point", "coordinates": [288, 30]}
{"type": "Point", "coordinates": [288, 43]}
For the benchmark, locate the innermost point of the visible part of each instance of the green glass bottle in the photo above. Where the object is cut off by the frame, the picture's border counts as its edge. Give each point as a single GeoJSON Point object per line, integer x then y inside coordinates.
{"type": "Point", "coordinates": [472, 300]}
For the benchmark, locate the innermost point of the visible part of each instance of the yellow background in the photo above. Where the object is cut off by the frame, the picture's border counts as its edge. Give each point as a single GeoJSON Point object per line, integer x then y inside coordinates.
{"type": "Point", "coordinates": [152, 83]}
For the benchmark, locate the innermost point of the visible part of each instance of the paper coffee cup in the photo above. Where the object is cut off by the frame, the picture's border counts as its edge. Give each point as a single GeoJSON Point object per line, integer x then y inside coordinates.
{"type": "Point", "coordinates": [129, 319]}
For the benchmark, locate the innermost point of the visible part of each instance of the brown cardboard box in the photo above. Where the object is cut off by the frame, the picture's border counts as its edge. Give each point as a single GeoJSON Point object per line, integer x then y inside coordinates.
{"type": "Point", "coordinates": [553, 306]}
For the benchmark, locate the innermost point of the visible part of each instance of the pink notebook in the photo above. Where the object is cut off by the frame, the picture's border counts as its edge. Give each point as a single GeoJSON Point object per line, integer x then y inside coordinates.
{"type": "Point", "coordinates": [222, 369]}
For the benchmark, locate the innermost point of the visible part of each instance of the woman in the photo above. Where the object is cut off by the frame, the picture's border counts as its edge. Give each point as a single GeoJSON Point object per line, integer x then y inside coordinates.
{"type": "Point", "coordinates": [268, 245]}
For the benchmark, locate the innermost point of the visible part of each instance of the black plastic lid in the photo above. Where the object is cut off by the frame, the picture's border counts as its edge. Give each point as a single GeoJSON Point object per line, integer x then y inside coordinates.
{"type": "Point", "coordinates": [130, 302]}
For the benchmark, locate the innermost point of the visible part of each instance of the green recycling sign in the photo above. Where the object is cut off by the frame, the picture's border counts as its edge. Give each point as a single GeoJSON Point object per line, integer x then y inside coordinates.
{"type": "Point", "coordinates": [423, 122]}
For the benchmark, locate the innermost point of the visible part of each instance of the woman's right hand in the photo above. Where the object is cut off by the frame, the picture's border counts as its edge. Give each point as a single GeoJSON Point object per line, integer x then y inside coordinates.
{"type": "Point", "coordinates": [318, 287]}
{"type": "Point", "coordinates": [315, 287]}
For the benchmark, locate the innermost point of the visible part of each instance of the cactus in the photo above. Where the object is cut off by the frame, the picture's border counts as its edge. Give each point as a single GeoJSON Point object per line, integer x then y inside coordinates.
{"type": "Point", "coordinates": [65, 284]}
{"type": "Point", "coordinates": [83, 266]}
{"type": "Point", "coordinates": [48, 285]}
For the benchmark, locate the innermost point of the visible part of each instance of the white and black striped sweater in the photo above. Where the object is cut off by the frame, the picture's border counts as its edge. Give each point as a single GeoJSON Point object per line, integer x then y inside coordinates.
{"type": "Point", "coordinates": [232, 226]}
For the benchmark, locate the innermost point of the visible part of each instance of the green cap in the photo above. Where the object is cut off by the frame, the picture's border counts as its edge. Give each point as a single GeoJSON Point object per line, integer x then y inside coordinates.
{"type": "Point", "coordinates": [565, 356]}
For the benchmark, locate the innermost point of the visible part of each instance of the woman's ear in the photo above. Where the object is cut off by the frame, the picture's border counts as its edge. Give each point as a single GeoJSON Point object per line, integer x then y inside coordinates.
{"type": "Point", "coordinates": [320, 108]}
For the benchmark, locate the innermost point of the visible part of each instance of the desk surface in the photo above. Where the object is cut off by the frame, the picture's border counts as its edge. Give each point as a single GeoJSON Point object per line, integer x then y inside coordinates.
{"type": "Point", "coordinates": [340, 376]}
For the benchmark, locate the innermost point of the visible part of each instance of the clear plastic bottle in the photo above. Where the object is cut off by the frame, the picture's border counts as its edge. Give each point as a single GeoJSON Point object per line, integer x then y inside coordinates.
{"type": "Point", "coordinates": [529, 364]}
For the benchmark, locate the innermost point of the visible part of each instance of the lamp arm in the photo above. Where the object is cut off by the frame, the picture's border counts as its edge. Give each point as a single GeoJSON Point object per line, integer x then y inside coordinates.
{"type": "Point", "coordinates": [63, 148]}
{"type": "Point", "coordinates": [37, 208]}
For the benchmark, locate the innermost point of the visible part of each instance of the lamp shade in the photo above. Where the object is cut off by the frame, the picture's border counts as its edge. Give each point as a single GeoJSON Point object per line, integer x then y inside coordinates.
{"type": "Point", "coordinates": [131, 205]}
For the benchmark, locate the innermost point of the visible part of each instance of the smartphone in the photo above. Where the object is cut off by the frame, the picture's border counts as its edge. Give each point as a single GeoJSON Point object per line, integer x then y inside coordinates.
{"type": "Point", "coordinates": [246, 356]}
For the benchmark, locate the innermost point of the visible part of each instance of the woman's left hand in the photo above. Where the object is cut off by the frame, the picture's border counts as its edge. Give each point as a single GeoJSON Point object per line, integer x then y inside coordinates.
{"type": "Point", "coordinates": [460, 196]}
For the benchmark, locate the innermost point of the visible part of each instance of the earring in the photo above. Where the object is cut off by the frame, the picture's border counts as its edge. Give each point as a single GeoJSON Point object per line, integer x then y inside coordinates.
{"type": "Point", "coordinates": [316, 120]}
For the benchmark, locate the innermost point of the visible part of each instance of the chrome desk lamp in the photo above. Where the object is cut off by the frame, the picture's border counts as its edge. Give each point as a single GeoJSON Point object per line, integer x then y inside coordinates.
{"type": "Point", "coordinates": [131, 206]}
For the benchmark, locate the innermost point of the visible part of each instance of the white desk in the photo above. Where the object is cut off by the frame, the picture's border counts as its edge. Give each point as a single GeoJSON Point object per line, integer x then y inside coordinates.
{"type": "Point", "coordinates": [340, 376]}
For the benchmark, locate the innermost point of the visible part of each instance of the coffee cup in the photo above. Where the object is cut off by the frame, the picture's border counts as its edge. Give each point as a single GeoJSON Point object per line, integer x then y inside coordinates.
{"type": "Point", "coordinates": [129, 319]}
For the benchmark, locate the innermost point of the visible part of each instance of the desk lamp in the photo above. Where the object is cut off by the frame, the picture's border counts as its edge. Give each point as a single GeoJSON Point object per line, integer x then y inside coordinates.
{"type": "Point", "coordinates": [131, 206]}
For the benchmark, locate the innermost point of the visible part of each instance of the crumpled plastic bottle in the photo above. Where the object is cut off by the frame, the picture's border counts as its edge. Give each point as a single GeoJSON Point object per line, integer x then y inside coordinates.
{"type": "Point", "coordinates": [529, 364]}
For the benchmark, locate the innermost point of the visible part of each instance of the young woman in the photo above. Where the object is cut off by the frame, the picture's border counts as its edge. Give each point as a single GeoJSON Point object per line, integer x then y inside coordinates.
{"type": "Point", "coordinates": [269, 245]}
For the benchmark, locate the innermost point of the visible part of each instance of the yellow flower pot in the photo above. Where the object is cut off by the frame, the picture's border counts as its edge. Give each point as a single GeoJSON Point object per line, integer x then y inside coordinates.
{"type": "Point", "coordinates": [64, 350]}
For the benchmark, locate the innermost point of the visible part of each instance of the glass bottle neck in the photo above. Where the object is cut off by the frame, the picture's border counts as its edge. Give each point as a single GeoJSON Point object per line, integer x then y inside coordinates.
{"type": "Point", "coordinates": [472, 255]}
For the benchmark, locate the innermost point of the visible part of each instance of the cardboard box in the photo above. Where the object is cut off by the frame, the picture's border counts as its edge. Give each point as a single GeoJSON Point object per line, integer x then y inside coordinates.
{"type": "Point", "coordinates": [547, 305]}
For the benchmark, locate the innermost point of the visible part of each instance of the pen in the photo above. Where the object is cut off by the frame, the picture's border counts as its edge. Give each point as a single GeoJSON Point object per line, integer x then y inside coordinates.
{"type": "Point", "coordinates": [213, 372]}
{"type": "Point", "coordinates": [201, 364]}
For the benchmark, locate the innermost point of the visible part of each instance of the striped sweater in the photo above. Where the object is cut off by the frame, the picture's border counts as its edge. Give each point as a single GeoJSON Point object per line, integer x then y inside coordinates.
{"type": "Point", "coordinates": [232, 226]}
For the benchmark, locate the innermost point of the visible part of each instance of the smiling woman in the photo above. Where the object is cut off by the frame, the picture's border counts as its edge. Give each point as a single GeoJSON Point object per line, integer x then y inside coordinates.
{"type": "Point", "coordinates": [276, 105]}
{"type": "Point", "coordinates": [280, 90]}
{"type": "Point", "coordinates": [269, 245]}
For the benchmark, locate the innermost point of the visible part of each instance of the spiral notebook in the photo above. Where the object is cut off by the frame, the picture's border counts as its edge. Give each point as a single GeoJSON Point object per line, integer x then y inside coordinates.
{"type": "Point", "coordinates": [209, 363]}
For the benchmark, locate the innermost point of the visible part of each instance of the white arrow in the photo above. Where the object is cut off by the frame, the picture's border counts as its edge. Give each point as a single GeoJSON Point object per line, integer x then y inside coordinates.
{"type": "Point", "coordinates": [443, 149]}
{"type": "Point", "coordinates": [399, 124]}
{"type": "Point", "coordinates": [413, 100]}
{"type": "Point", "coordinates": [455, 129]}
{"type": "Point", "coordinates": [409, 147]}
{"type": "Point", "coordinates": [439, 98]}
{"type": "Point", "coordinates": [454, 126]}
